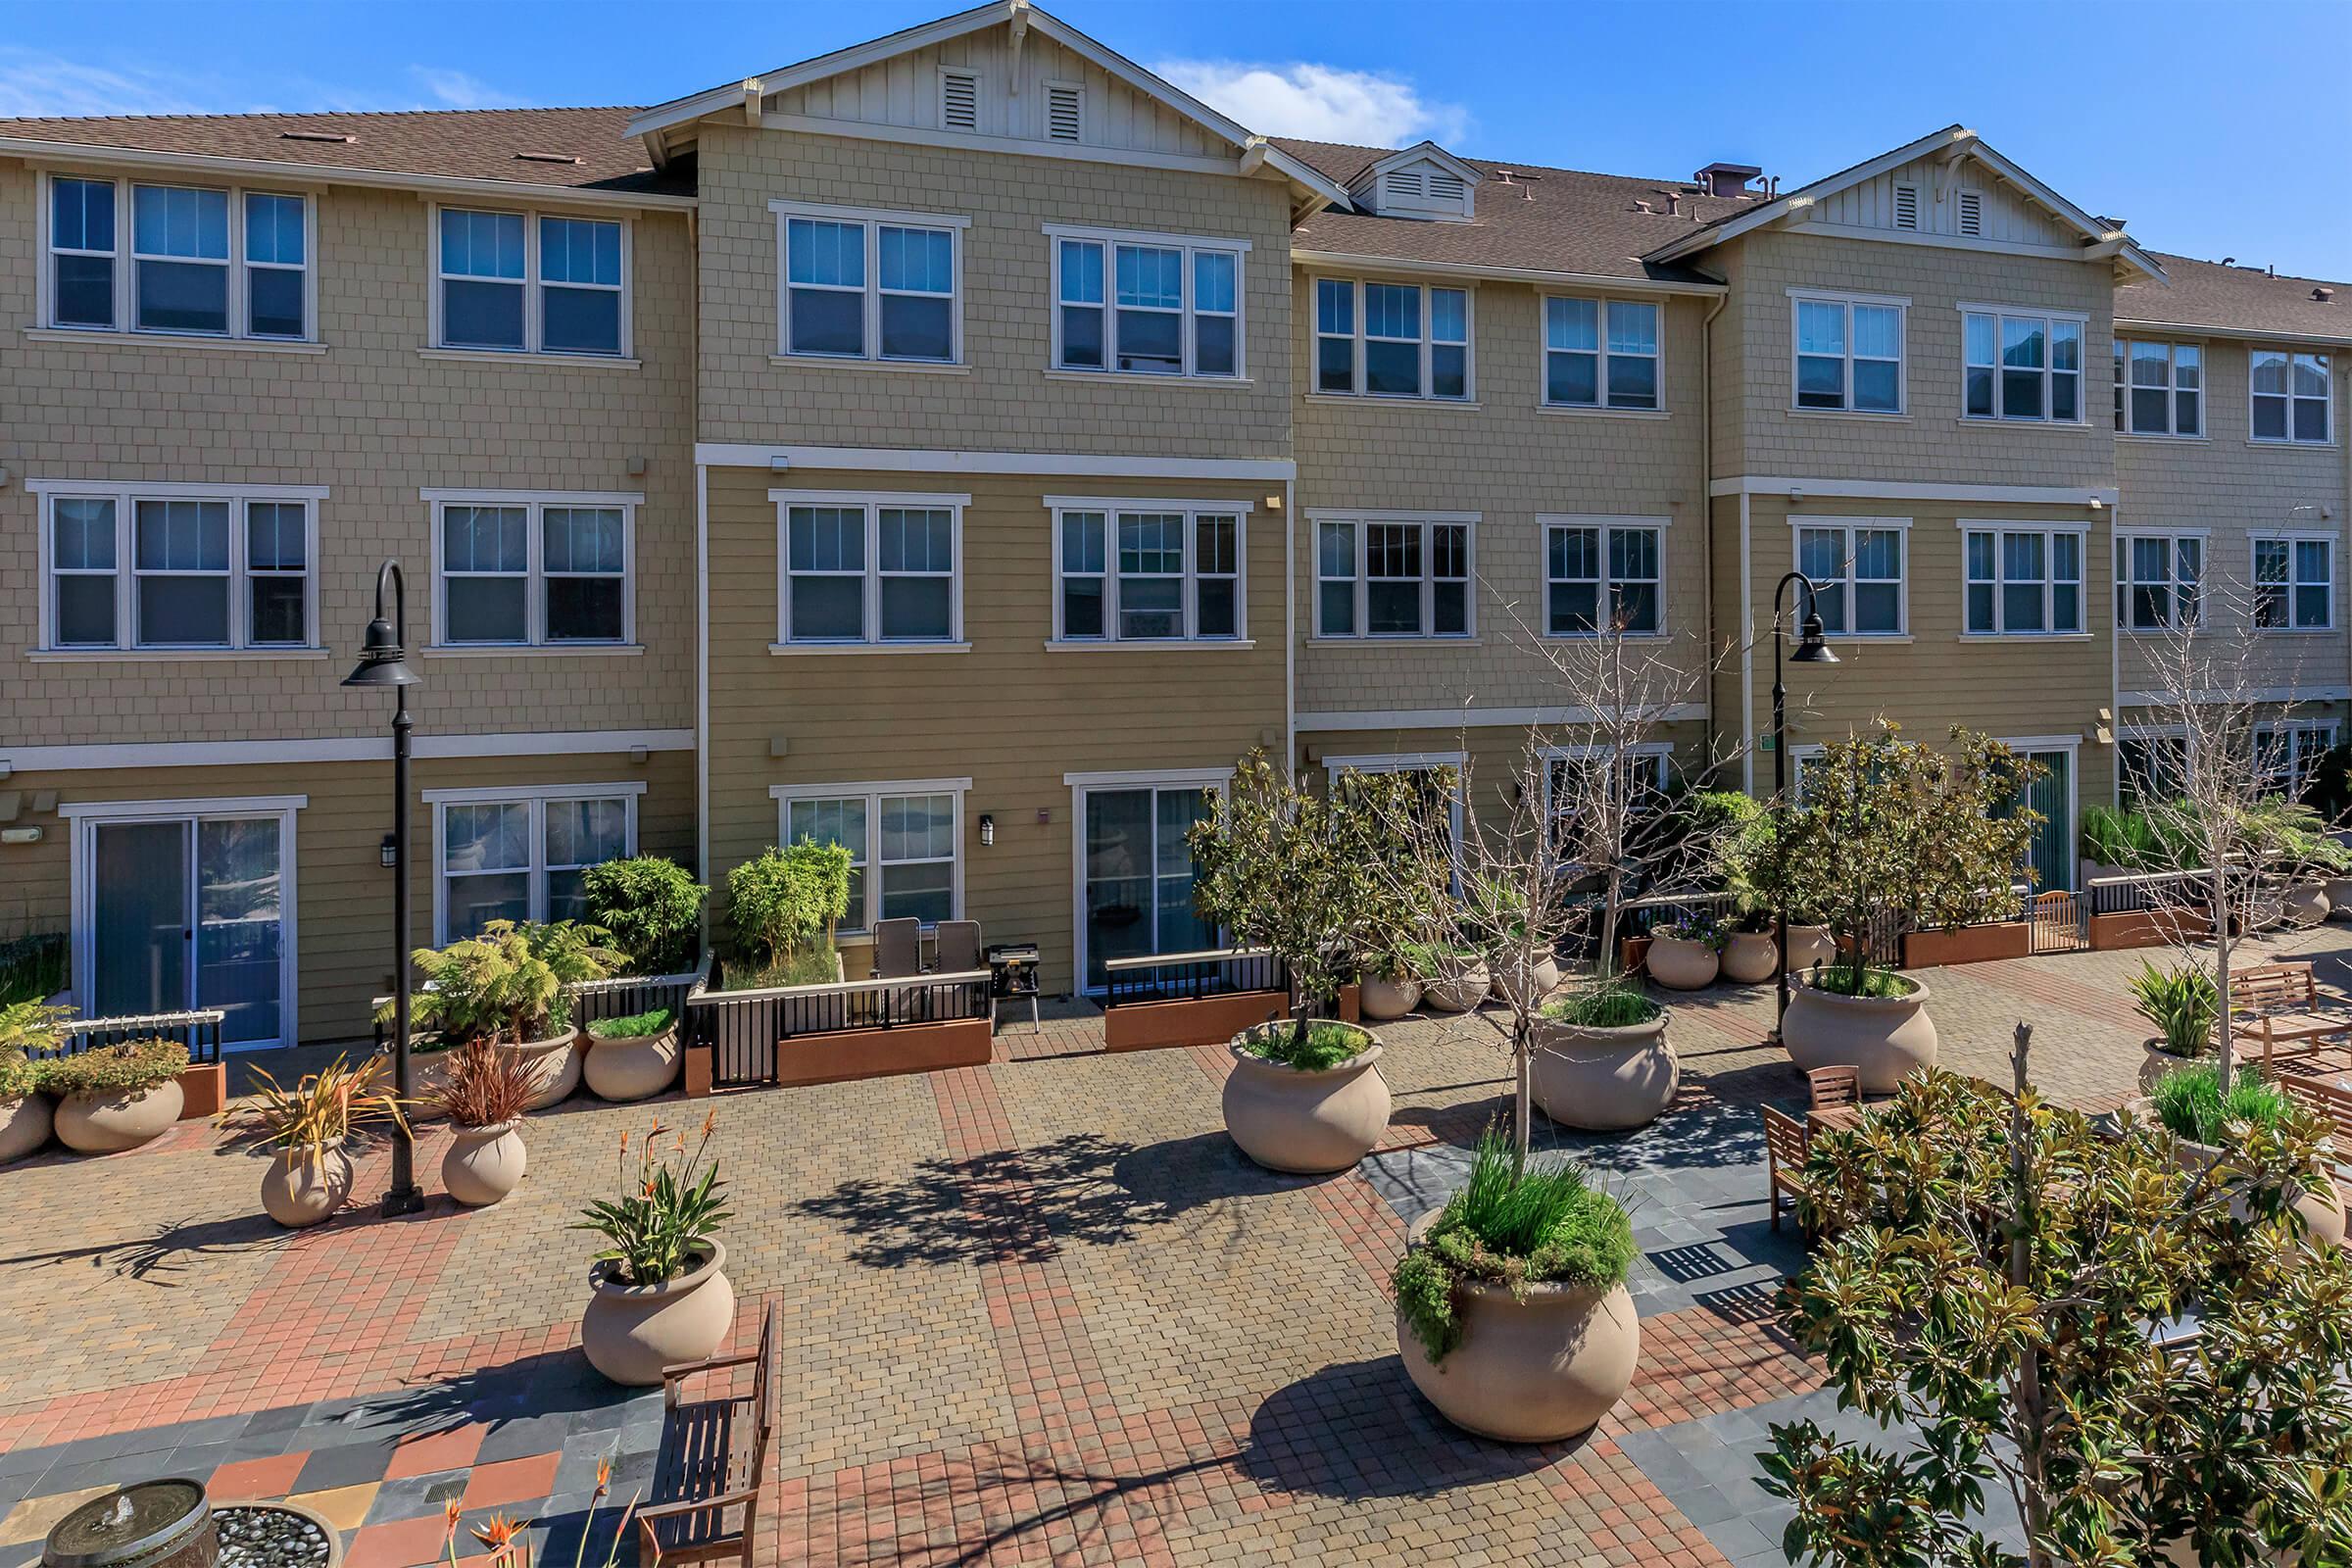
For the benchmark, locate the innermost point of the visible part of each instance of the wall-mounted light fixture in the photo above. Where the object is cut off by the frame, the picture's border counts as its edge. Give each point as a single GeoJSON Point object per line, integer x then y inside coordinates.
{"type": "Point", "coordinates": [988, 830]}
{"type": "Point", "coordinates": [387, 854]}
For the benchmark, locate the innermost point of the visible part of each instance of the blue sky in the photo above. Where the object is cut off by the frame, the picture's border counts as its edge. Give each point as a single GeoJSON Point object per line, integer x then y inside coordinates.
{"type": "Point", "coordinates": [2216, 130]}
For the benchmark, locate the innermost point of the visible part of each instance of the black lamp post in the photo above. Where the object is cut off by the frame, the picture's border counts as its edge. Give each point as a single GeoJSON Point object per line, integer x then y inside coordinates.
{"type": "Point", "coordinates": [1810, 650]}
{"type": "Point", "coordinates": [383, 661]}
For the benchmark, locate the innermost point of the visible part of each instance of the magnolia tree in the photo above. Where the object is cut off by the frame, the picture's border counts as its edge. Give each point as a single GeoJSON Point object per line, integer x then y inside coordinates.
{"type": "Point", "coordinates": [1994, 1285]}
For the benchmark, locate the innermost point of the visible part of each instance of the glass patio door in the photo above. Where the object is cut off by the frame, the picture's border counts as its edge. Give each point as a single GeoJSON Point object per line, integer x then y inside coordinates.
{"type": "Point", "coordinates": [188, 912]}
{"type": "Point", "coordinates": [1139, 875]}
{"type": "Point", "coordinates": [2053, 795]}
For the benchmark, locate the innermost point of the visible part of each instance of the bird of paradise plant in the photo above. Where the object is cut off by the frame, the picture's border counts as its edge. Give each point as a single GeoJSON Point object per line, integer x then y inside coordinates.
{"type": "Point", "coordinates": [673, 1204]}
{"type": "Point", "coordinates": [507, 1539]}
{"type": "Point", "coordinates": [321, 1112]}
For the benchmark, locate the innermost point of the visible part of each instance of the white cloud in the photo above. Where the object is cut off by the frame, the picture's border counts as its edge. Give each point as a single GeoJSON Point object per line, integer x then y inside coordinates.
{"type": "Point", "coordinates": [35, 84]}
{"type": "Point", "coordinates": [1322, 103]}
{"type": "Point", "coordinates": [458, 89]}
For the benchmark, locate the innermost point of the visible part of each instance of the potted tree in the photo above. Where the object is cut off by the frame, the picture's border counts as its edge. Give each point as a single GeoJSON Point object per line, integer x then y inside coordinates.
{"type": "Point", "coordinates": [649, 910]}
{"type": "Point", "coordinates": [1388, 983]}
{"type": "Point", "coordinates": [635, 1058]}
{"type": "Point", "coordinates": [113, 1098]}
{"type": "Point", "coordinates": [1454, 976]}
{"type": "Point", "coordinates": [25, 1113]}
{"type": "Point", "coordinates": [661, 1296]}
{"type": "Point", "coordinates": [508, 987]}
{"type": "Point", "coordinates": [2184, 1004]}
{"type": "Point", "coordinates": [1891, 823]}
{"type": "Point", "coordinates": [306, 1131]}
{"type": "Point", "coordinates": [1601, 1061]}
{"type": "Point", "coordinates": [1685, 954]}
{"type": "Point", "coordinates": [1739, 833]}
{"type": "Point", "coordinates": [486, 1098]}
{"type": "Point", "coordinates": [1513, 1315]}
{"type": "Point", "coordinates": [786, 905]}
{"type": "Point", "coordinates": [1278, 868]}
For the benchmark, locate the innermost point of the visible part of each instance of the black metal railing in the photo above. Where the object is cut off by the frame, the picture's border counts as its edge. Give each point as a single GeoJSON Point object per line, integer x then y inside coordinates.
{"type": "Point", "coordinates": [626, 995]}
{"type": "Point", "coordinates": [1191, 976]}
{"type": "Point", "coordinates": [1641, 917]}
{"type": "Point", "coordinates": [2144, 893]}
{"type": "Point", "coordinates": [744, 1028]}
{"type": "Point", "coordinates": [199, 1031]}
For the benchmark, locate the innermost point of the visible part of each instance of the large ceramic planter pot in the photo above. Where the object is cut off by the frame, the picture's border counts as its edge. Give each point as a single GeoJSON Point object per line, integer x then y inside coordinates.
{"type": "Point", "coordinates": [1542, 978]}
{"type": "Point", "coordinates": [1533, 1369]}
{"type": "Point", "coordinates": [1680, 965]}
{"type": "Point", "coordinates": [2305, 904]}
{"type": "Point", "coordinates": [299, 1191]}
{"type": "Point", "coordinates": [1458, 993]}
{"type": "Point", "coordinates": [631, 1332]}
{"type": "Point", "coordinates": [2322, 1211]}
{"type": "Point", "coordinates": [1603, 1080]}
{"type": "Point", "coordinates": [483, 1165]}
{"type": "Point", "coordinates": [632, 1069]}
{"type": "Point", "coordinates": [23, 1126]}
{"type": "Point", "coordinates": [2339, 898]}
{"type": "Point", "coordinates": [1809, 945]}
{"type": "Point", "coordinates": [1305, 1122]}
{"type": "Point", "coordinates": [553, 1065]}
{"type": "Point", "coordinates": [1750, 956]}
{"type": "Point", "coordinates": [1885, 1037]}
{"type": "Point", "coordinates": [2157, 1064]}
{"type": "Point", "coordinates": [428, 1075]}
{"type": "Point", "coordinates": [1383, 1000]}
{"type": "Point", "coordinates": [108, 1123]}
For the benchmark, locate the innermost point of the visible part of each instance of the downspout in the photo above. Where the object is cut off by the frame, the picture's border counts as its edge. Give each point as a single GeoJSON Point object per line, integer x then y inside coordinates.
{"type": "Point", "coordinates": [1706, 504]}
{"type": "Point", "coordinates": [2114, 670]}
{"type": "Point", "coordinates": [1747, 656]}
{"type": "Point", "coordinates": [1290, 630]}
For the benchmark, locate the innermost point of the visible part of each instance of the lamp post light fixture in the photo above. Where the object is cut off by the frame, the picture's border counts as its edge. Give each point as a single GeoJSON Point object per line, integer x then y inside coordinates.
{"type": "Point", "coordinates": [1811, 649]}
{"type": "Point", "coordinates": [383, 661]}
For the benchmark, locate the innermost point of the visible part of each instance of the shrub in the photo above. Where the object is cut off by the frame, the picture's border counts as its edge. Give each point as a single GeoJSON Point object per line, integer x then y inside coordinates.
{"type": "Point", "coordinates": [1850, 977]}
{"type": "Point", "coordinates": [652, 907]}
{"type": "Point", "coordinates": [486, 1087]}
{"type": "Point", "coordinates": [32, 968]}
{"type": "Point", "coordinates": [671, 1204]}
{"type": "Point", "coordinates": [784, 900]}
{"type": "Point", "coordinates": [636, 1026]}
{"type": "Point", "coordinates": [1513, 1225]}
{"type": "Point", "coordinates": [2180, 1004]}
{"type": "Point", "coordinates": [27, 1027]}
{"type": "Point", "coordinates": [1698, 928]}
{"type": "Point", "coordinates": [2191, 1106]}
{"type": "Point", "coordinates": [1617, 1005]}
{"type": "Point", "coordinates": [2125, 839]}
{"type": "Point", "coordinates": [319, 1113]}
{"type": "Point", "coordinates": [510, 980]}
{"type": "Point", "coordinates": [131, 1069]}
{"type": "Point", "coordinates": [18, 1077]}
{"type": "Point", "coordinates": [1326, 1046]}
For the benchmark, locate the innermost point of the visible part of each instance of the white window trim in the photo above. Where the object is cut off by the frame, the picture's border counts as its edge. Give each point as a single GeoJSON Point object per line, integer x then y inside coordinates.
{"type": "Point", "coordinates": [1659, 752]}
{"type": "Point", "coordinates": [872, 505]}
{"type": "Point", "coordinates": [1466, 287]}
{"type": "Point", "coordinates": [1602, 353]}
{"type": "Point", "coordinates": [124, 496]}
{"type": "Point", "coordinates": [1411, 763]}
{"type": "Point", "coordinates": [2049, 363]}
{"type": "Point", "coordinates": [1798, 523]}
{"type": "Point", "coordinates": [125, 262]}
{"type": "Point", "coordinates": [2049, 532]}
{"type": "Point", "coordinates": [1545, 521]}
{"type": "Point", "coordinates": [874, 792]}
{"type": "Point", "coordinates": [1357, 520]}
{"type": "Point", "coordinates": [535, 503]}
{"type": "Point", "coordinates": [2121, 354]}
{"type": "Point", "coordinates": [872, 220]}
{"type": "Point", "coordinates": [2329, 380]}
{"type": "Point", "coordinates": [1194, 511]}
{"type": "Point", "coordinates": [1192, 245]}
{"type": "Point", "coordinates": [2125, 582]}
{"type": "Point", "coordinates": [2290, 537]}
{"type": "Point", "coordinates": [1899, 303]}
{"type": "Point", "coordinates": [537, 797]}
{"type": "Point", "coordinates": [534, 284]}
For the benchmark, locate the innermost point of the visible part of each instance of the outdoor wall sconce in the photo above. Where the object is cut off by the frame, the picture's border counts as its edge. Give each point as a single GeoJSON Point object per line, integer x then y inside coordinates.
{"type": "Point", "coordinates": [387, 854]}
{"type": "Point", "coordinates": [988, 830]}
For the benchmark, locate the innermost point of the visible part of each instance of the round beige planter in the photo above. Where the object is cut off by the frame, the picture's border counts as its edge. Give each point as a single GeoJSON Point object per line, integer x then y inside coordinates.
{"type": "Point", "coordinates": [428, 1075]}
{"type": "Point", "coordinates": [23, 1126]}
{"type": "Point", "coordinates": [1458, 993]}
{"type": "Point", "coordinates": [2305, 904]}
{"type": "Point", "coordinates": [1750, 956]}
{"type": "Point", "coordinates": [1543, 975]}
{"type": "Point", "coordinates": [1603, 1080]}
{"type": "Point", "coordinates": [2156, 1064]}
{"type": "Point", "coordinates": [483, 1165]}
{"type": "Point", "coordinates": [1809, 945]}
{"type": "Point", "coordinates": [1384, 1000]}
{"type": "Point", "coordinates": [1535, 1368]}
{"type": "Point", "coordinates": [632, 1069]}
{"type": "Point", "coordinates": [106, 1124]}
{"type": "Point", "coordinates": [2339, 898]}
{"type": "Point", "coordinates": [553, 1065]}
{"type": "Point", "coordinates": [2322, 1211]}
{"type": "Point", "coordinates": [1305, 1122]}
{"type": "Point", "coordinates": [631, 1332]}
{"type": "Point", "coordinates": [299, 1191]}
{"type": "Point", "coordinates": [1887, 1038]}
{"type": "Point", "coordinates": [1680, 965]}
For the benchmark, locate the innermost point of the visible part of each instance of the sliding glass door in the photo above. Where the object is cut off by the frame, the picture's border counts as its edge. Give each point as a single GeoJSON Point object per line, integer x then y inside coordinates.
{"type": "Point", "coordinates": [1138, 874]}
{"type": "Point", "coordinates": [188, 912]}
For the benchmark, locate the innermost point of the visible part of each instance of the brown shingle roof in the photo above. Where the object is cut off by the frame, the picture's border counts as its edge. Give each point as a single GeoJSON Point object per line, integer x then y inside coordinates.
{"type": "Point", "coordinates": [2237, 299]}
{"type": "Point", "coordinates": [1547, 219]}
{"type": "Point", "coordinates": [466, 144]}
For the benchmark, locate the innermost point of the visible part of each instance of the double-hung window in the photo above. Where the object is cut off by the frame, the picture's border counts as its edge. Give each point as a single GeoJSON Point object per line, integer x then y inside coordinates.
{"type": "Point", "coordinates": [2291, 396]}
{"type": "Point", "coordinates": [2285, 755]}
{"type": "Point", "coordinates": [2023, 580]}
{"type": "Point", "coordinates": [523, 854]}
{"type": "Point", "coordinates": [1391, 575]}
{"type": "Point", "coordinates": [2294, 583]}
{"type": "Point", "coordinates": [1602, 572]}
{"type": "Point", "coordinates": [1601, 354]}
{"type": "Point", "coordinates": [1848, 352]}
{"type": "Point", "coordinates": [201, 260]}
{"type": "Point", "coordinates": [2159, 388]}
{"type": "Point", "coordinates": [1147, 304]}
{"type": "Point", "coordinates": [178, 567]}
{"type": "Point", "coordinates": [860, 571]}
{"type": "Point", "coordinates": [1856, 568]}
{"type": "Point", "coordinates": [531, 283]}
{"type": "Point", "coordinates": [904, 838]}
{"type": "Point", "coordinates": [2020, 365]}
{"type": "Point", "coordinates": [865, 285]}
{"type": "Point", "coordinates": [1392, 340]}
{"type": "Point", "coordinates": [533, 569]}
{"type": "Point", "coordinates": [1148, 572]}
{"type": "Point", "coordinates": [2159, 582]}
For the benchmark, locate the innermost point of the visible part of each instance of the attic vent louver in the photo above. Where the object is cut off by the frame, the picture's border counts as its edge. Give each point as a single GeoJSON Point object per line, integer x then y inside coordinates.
{"type": "Point", "coordinates": [1402, 183]}
{"type": "Point", "coordinates": [1444, 186]}
{"type": "Point", "coordinates": [546, 158]}
{"type": "Point", "coordinates": [1972, 213]}
{"type": "Point", "coordinates": [1906, 206]}
{"type": "Point", "coordinates": [1066, 112]}
{"type": "Point", "coordinates": [315, 135]}
{"type": "Point", "coordinates": [960, 100]}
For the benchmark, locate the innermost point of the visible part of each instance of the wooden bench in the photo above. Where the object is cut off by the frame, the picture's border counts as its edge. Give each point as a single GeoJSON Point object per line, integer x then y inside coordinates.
{"type": "Point", "coordinates": [2281, 1005]}
{"type": "Point", "coordinates": [705, 1502]}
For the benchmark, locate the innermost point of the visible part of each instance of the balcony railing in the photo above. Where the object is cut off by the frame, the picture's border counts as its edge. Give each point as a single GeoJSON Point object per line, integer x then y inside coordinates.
{"type": "Point", "coordinates": [743, 1028]}
{"type": "Point", "coordinates": [1191, 976]}
{"type": "Point", "coordinates": [199, 1031]}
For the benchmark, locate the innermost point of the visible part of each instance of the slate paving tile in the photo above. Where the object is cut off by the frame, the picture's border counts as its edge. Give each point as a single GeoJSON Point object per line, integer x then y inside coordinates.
{"type": "Point", "coordinates": [514, 1439]}
{"type": "Point", "coordinates": [415, 1496]}
{"type": "Point", "coordinates": [343, 1464]}
{"type": "Point", "coordinates": [278, 1418]}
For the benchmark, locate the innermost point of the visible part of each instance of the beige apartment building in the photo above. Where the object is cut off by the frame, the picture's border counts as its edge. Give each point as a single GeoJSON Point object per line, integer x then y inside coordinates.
{"type": "Point", "coordinates": [967, 446]}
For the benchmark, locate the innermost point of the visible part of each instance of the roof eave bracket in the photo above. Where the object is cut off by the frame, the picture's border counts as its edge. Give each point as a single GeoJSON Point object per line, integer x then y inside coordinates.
{"type": "Point", "coordinates": [752, 94]}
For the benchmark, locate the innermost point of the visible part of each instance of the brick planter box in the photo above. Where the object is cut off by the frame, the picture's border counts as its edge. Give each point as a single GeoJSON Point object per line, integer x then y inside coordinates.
{"type": "Point", "coordinates": [852, 1054]}
{"type": "Point", "coordinates": [1205, 1021]}
{"type": "Point", "coordinates": [2145, 928]}
{"type": "Point", "coordinates": [1971, 944]}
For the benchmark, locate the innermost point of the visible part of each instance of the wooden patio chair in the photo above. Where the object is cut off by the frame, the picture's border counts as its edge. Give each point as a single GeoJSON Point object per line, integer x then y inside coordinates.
{"type": "Point", "coordinates": [1834, 1086]}
{"type": "Point", "coordinates": [1783, 1159]}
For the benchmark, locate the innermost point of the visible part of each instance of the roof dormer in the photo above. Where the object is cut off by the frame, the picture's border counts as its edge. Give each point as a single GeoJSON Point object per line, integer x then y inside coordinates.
{"type": "Point", "coordinates": [1424, 182]}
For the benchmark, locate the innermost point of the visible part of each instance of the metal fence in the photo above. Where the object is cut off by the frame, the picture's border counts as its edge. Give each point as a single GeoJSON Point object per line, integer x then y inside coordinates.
{"type": "Point", "coordinates": [1190, 976]}
{"type": "Point", "coordinates": [744, 1028]}
{"type": "Point", "coordinates": [199, 1031]}
{"type": "Point", "coordinates": [2143, 893]}
{"type": "Point", "coordinates": [626, 995]}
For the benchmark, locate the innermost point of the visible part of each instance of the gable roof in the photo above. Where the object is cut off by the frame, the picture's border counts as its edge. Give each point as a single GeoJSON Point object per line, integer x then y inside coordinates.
{"type": "Point", "coordinates": [2237, 302]}
{"type": "Point", "coordinates": [1953, 142]}
{"type": "Point", "coordinates": [485, 147]}
{"type": "Point", "coordinates": [1422, 148]}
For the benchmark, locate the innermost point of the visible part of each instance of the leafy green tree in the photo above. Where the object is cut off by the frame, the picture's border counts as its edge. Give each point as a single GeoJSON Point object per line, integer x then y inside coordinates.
{"type": "Point", "coordinates": [1993, 1285]}
{"type": "Point", "coordinates": [652, 907]}
{"type": "Point", "coordinates": [783, 899]}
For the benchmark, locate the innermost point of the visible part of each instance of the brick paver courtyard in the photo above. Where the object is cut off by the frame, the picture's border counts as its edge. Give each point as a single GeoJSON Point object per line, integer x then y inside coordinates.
{"type": "Point", "coordinates": [1039, 1311]}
